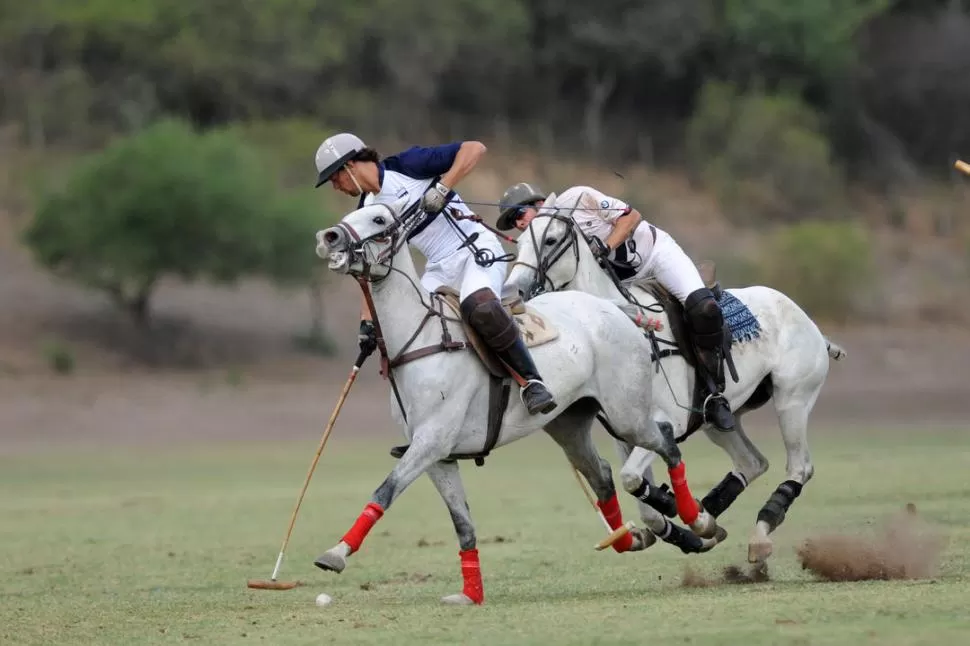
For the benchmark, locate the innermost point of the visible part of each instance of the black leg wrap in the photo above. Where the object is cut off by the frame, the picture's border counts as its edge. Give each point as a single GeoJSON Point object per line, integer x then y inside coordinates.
{"type": "Point", "coordinates": [723, 494]}
{"type": "Point", "coordinates": [774, 510]}
{"type": "Point", "coordinates": [659, 498]}
{"type": "Point", "coordinates": [688, 542]}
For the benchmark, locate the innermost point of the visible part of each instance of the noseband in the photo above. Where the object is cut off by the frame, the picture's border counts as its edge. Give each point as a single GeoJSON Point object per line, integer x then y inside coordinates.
{"type": "Point", "coordinates": [397, 234]}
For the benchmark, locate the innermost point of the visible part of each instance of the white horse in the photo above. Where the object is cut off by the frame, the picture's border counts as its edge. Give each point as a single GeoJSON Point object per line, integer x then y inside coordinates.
{"type": "Point", "coordinates": [783, 358]}
{"type": "Point", "coordinates": [443, 394]}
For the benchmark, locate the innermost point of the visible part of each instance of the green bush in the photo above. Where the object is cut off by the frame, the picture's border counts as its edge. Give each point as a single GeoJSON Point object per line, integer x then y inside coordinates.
{"type": "Point", "coordinates": [59, 357]}
{"type": "Point", "coordinates": [169, 201]}
{"type": "Point", "coordinates": [823, 266]}
{"type": "Point", "coordinates": [764, 157]}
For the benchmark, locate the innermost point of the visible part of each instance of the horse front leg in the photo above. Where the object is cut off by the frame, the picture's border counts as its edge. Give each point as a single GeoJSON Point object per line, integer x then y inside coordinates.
{"type": "Point", "coordinates": [636, 476]}
{"type": "Point", "coordinates": [650, 436]}
{"type": "Point", "coordinates": [447, 480]}
{"type": "Point", "coordinates": [426, 449]}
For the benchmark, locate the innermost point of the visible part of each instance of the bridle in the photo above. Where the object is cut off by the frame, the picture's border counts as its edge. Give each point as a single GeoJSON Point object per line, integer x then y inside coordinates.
{"type": "Point", "coordinates": [398, 235]}
{"type": "Point", "coordinates": [545, 261]}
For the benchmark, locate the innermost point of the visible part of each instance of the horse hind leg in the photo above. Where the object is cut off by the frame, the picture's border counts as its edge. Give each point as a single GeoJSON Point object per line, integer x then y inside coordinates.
{"type": "Point", "coordinates": [572, 432]}
{"type": "Point", "coordinates": [793, 418]}
{"type": "Point", "coordinates": [447, 480]}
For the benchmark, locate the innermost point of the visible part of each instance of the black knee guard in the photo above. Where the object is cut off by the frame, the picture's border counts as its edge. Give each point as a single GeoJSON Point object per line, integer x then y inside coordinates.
{"type": "Point", "coordinates": [705, 319]}
{"type": "Point", "coordinates": [484, 312]}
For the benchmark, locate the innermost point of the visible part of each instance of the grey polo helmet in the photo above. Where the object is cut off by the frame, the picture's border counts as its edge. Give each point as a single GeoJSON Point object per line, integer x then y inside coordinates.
{"type": "Point", "coordinates": [334, 152]}
{"type": "Point", "coordinates": [515, 196]}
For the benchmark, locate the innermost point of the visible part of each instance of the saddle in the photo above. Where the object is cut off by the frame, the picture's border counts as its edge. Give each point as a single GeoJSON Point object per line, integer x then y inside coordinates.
{"type": "Point", "coordinates": [535, 330]}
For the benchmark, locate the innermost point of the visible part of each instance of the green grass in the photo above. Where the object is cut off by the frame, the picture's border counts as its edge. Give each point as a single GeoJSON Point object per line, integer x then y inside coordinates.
{"type": "Point", "coordinates": [155, 547]}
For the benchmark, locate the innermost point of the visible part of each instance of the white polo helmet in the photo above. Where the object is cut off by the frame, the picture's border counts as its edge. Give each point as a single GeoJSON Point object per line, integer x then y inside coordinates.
{"type": "Point", "coordinates": [334, 152]}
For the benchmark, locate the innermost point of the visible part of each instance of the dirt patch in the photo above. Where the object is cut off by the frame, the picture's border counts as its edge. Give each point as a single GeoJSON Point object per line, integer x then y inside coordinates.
{"type": "Point", "coordinates": [731, 575]}
{"type": "Point", "coordinates": [907, 547]}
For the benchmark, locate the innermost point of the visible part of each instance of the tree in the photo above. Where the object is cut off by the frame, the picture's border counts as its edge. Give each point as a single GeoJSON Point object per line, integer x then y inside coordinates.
{"type": "Point", "coordinates": [168, 201]}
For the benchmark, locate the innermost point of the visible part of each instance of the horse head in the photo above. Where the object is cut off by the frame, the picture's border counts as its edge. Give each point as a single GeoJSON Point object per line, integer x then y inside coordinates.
{"type": "Point", "coordinates": [550, 253]}
{"type": "Point", "coordinates": [366, 240]}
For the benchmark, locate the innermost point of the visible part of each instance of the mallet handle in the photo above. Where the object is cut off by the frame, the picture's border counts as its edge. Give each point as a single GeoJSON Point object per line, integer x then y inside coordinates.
{"type": "Point", "coordinates": [316, 458]}
{"type": "Point", "coordinates": [962, 166]}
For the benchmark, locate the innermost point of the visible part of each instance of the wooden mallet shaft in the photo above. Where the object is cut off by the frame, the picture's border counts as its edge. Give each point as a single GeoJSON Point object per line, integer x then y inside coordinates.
{"type": "Point", "coordinates": [962, 166]}
{"type": "Point", "coordinates": [614, 534]}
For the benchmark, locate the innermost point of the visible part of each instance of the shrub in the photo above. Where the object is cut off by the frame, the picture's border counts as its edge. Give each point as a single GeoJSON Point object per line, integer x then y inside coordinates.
{"type": "Point", "coordinates": [764, 157]}
{"type": "Point", "coordinates": [823, 266]}
{"type": "Point", "coordinates": [169, 201]}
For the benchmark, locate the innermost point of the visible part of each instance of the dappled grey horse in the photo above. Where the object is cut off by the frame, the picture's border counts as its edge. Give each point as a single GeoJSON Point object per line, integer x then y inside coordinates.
{"type": "Point", "coordinates": [444, 394]}
{"type": "Point", "coordinates": [778, 352]}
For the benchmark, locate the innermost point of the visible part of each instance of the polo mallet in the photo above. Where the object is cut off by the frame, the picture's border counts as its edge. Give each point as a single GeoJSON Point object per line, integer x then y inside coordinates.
{"type": "Point", "coordinates": [272, 583]}
{"type": "Point", "coordinates": [614, 534]}
{"type": "Point", "coordinates": [962, 166]}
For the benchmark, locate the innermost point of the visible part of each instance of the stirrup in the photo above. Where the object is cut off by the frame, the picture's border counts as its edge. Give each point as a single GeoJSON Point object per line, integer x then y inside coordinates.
{"type": "Point", "coordinates": [714, 397]}
{"type": "Point", "coordinates": [528, 383]}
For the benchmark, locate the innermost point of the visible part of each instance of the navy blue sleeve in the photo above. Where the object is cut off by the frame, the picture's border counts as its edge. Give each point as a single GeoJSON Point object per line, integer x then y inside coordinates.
{"type": "Point", "coordinates": [423, 162]}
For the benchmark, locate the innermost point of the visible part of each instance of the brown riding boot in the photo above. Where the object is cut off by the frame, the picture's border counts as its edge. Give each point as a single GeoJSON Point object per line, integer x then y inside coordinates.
{"type": "Point", "coordinates": [484, 312]}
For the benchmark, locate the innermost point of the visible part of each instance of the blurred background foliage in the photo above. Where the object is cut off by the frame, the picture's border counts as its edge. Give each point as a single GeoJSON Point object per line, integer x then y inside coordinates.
{"type": "Point", "coordinates": [162, 138]}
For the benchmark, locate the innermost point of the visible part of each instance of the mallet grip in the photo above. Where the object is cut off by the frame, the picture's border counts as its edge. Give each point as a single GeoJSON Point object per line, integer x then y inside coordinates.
{"type": "Point", "coordinates": [962, 166]}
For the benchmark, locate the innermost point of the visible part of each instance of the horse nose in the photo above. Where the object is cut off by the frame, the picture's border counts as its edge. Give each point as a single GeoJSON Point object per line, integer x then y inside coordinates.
{"type": "Point", "coordinates": [332, 237]}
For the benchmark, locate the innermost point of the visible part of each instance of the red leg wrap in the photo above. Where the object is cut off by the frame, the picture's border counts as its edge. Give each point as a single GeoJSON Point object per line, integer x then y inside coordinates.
{"type": "Point", "coordinates": [471, 572]}
{"type": "Point", "coordinates": [687, 507]}
{"type": "Point", "coordinates": [371, 514]}
{"type": "Point", "coordinates": [614, 516]}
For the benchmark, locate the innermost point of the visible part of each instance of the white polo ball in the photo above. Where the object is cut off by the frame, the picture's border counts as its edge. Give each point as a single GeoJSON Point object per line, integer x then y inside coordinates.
{"type": "Point", "coordinates": [324, 599]}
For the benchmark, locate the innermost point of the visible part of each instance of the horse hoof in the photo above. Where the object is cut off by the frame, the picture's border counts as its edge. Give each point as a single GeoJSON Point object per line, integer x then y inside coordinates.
{"type": "Point", "coordinates": [721, 534]}
{"type": "Point", "coordinates": [642, 539]}
{"type": "Point", "coordinates": [331, 561]}
{"type": "Point", "coordinates": [704, 525]}
{"type": "Point", "coordinates": [459, 599]}
{"type": "Point", "coordinates": [759, 549]}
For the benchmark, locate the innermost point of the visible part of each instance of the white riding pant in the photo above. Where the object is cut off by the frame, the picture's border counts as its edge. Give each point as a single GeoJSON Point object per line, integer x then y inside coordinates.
{"type": "Point", "coordinates": [671, 267]}
{"type": "Point", "coordinates": [460, 271]}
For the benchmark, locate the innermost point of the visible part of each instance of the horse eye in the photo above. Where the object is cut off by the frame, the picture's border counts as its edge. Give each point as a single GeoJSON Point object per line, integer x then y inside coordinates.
{"type": "Point", "coordinates": [550, 241]}
{"type": "Point", "coordinates": [380, 221]}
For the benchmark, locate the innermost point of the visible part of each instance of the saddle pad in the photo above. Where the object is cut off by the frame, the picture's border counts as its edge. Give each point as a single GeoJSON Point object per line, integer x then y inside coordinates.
{"type": "Point", "coordinates": [535, 328]}
{"type": "Point", "coordinates": [744, 325]}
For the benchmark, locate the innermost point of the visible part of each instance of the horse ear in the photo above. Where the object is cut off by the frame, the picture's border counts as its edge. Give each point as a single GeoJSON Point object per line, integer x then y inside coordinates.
{"type": "Point", "coordinates": [548, 205]}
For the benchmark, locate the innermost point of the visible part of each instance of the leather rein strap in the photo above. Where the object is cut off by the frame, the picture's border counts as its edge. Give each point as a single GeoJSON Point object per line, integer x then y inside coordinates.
{"type": "Point", "coordinates": [447, 344]}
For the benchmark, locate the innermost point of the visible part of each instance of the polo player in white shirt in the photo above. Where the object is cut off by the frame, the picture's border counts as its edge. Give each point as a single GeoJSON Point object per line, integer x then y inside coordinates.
{"type": "Point", "coordinates": [428, 175]}
{"type": "Point", "coordinates": [637, 249]}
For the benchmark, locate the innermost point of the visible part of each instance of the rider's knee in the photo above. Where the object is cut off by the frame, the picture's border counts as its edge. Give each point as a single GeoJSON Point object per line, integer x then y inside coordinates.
{"type": "Point", "coordinates": [484, 312]}
{"type": "Point", "coordinates": [703, 312]}
{"type": "Point", "coordinates": [704, 317]}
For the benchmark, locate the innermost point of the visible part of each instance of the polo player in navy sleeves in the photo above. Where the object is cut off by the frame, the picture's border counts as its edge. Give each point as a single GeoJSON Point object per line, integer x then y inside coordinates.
{"type": "Point", "coordinates": [428, 175]}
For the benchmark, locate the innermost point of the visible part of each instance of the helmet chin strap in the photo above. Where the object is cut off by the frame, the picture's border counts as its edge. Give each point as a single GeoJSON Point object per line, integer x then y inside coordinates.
{"type": "Point", "coordinates": [350, 172]}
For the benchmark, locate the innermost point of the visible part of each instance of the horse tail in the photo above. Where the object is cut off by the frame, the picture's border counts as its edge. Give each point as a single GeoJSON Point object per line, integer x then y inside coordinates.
{"type": "Point", "coordinates": [836, 351]}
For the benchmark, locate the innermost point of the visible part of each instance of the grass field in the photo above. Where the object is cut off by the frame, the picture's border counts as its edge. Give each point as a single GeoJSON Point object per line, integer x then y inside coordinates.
{"type": "Point", "coordinates": [155, 547]}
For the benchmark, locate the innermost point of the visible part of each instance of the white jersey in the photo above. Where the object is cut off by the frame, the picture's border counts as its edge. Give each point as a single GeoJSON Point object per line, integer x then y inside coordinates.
{"type": "Point", "coordinates": [649, 252]}
{"type": "Point", "coordinates": [596, 214]}
{"type": "Point", "coordinates": [409, 174]}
